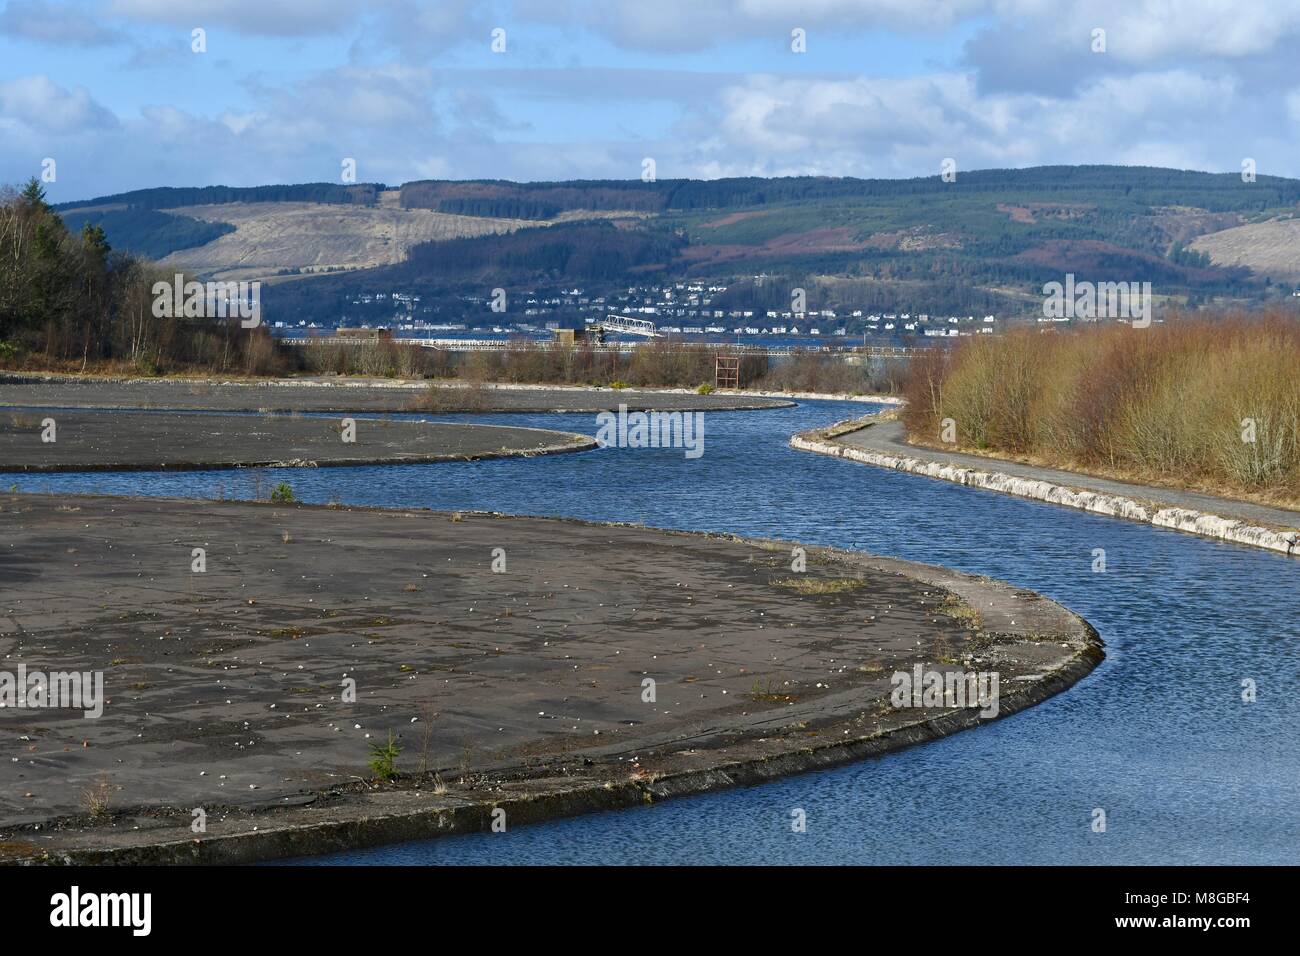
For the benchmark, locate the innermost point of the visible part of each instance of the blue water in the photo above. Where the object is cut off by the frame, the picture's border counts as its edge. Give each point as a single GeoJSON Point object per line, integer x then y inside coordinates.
{"type": "Point", "coordinates": [1157, 736]}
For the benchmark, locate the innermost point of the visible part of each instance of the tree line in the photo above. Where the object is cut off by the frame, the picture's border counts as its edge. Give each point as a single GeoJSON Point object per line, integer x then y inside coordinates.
{"type": "Point", "coordinates": [170, 197]}
{"type": "Point", "coordinates": [68, 300]}
{"type": "Point", "coordinates": [1137, 188]}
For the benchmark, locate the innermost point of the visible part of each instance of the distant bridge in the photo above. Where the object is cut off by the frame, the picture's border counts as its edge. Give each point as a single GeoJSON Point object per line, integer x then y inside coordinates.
{"type": "Point", "coordinates": [628, 325]}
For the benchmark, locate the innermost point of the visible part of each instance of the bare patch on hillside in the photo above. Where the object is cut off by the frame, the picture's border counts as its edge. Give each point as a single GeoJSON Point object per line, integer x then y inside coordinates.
{"type": "Point", "coordinates": [318, 237]}
{"type": "Point", "coordinates": [729, 220]}
{"type": "Point", "coordinates": [620, 217]}
{"type": "Point", "coordinates": [920, 238]}
{"type": "Point", "coordinates": [1034, 211]}
{"type": "Point", "coordinates": [1269, 248]}
{"type": "Point", "coordinates": [313, 238]}
{"type": "Point", "coordinates": [913, 239]}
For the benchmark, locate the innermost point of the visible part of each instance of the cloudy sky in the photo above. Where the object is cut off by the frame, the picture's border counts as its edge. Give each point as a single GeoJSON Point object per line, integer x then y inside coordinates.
{"type": "Point", "coordinates": [115, 93]}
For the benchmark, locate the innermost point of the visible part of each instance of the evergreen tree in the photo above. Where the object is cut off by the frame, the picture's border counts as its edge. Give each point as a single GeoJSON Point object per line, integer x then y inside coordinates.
{"type": "Point", "coordinates": [33, 195]}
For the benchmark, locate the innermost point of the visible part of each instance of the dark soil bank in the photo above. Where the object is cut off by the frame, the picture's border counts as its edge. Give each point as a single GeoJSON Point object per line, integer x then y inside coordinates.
{"type": "Point", "coordinates": [532, 666]}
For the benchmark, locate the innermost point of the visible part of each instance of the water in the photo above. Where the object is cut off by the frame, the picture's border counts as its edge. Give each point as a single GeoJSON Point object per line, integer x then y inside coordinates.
{"type": "Point", "coordinates": [1157, 736]}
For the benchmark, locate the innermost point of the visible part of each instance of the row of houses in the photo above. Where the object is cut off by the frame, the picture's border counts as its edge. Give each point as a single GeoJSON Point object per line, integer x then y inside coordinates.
{"type": "Point", "coordinates": [683, 307]}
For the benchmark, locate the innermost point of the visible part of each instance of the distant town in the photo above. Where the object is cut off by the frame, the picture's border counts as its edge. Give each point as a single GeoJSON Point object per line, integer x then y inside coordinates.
{"type": "Point", "coordinates": [681, 308]}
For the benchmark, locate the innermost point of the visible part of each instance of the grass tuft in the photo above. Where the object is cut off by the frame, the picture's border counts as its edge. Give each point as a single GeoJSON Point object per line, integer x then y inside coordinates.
{"type": "Point", "coordinates": [810, 585]}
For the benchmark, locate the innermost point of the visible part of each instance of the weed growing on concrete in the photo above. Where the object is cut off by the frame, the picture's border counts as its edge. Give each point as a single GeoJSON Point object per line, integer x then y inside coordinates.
{"type": "Point", "coordinates": [97, 799]}
{"type": "Point", "coordinates": [383, 759]}
{"type": "Point", "coordinates": [807, 585]}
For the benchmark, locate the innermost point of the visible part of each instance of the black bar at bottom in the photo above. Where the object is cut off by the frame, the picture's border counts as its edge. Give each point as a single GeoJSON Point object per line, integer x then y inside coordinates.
{"type": "Point", "coordinates": [382, 905]}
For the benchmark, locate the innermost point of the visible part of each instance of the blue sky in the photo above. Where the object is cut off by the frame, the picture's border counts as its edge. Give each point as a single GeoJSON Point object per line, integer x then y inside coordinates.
{"type": "Point", "coordinates": [113, 92]}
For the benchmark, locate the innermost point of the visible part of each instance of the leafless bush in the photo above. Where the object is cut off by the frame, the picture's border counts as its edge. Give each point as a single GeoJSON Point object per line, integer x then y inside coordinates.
{"type": "Point", "coordinates": [1208, 402]}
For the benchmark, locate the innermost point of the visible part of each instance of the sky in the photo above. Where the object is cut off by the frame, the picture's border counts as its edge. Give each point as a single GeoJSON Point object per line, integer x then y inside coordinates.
{"type": "Point", "coordinates": [125, 94]}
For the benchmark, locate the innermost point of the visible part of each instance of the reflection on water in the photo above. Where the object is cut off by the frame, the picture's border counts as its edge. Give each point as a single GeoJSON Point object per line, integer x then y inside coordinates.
{"type": "Point", "coordinates": [1157, 736]}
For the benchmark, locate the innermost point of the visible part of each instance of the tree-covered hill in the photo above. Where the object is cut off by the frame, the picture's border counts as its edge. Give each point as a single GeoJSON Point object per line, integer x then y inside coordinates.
{"type": "Point", "coordinates": [988, 238]}
{"type": "Point", "coordinates": [1133, 187]}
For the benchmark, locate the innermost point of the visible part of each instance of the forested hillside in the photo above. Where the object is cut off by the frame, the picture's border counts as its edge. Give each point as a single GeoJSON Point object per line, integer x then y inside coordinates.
{"type": "Point", "coordinates": [148, 232]}
{"type": "Point", "coordinates": [987, 240]}
{"type": "Point", "coordinates": [1132, 187]}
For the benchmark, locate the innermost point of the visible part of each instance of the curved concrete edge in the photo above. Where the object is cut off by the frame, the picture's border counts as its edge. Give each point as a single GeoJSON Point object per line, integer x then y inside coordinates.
{"type": "Point", "coordinates": [400, 816]}
{"type": "Point", "coordinates": [822, 442]}
{"type": "Point", "coordinates": [577, 443]}
{"type": "Point", "coordinates": [364, 831]}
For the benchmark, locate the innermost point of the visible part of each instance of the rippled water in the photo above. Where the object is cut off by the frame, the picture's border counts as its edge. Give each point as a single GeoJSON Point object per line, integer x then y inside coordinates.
{"type": "Point", "coordinates": [1157, 736]}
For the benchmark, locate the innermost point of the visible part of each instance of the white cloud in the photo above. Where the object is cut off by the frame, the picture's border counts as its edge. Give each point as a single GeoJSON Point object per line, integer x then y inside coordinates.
{"type": "Point", "coordinates": [867, 126]}
{"type": "Point", "coordinates": [41, 105]}
{"type": "Point", "coordinates": [1144, 31]}
{"type": "Point", "coordinates": [906, 126]}
{"type": "Point", "coordinates": [1139, 32]}
{"type": "Point", "coordinates": [406, 118]}
{"type": "Point", "coordinates": [395, 98]}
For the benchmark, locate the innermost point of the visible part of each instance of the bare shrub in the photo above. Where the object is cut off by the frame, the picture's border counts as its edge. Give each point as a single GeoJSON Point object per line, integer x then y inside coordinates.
{"type": "Point", "coordinates": [1201, 402]}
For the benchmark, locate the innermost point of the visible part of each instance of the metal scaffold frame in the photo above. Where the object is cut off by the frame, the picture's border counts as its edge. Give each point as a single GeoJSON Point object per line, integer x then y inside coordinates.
{"type": "Point", "coordinates": [726, 372]}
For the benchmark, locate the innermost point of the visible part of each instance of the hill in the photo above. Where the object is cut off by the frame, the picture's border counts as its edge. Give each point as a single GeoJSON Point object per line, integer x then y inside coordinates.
{"type": "Point", "coordinates": [990, 239]}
